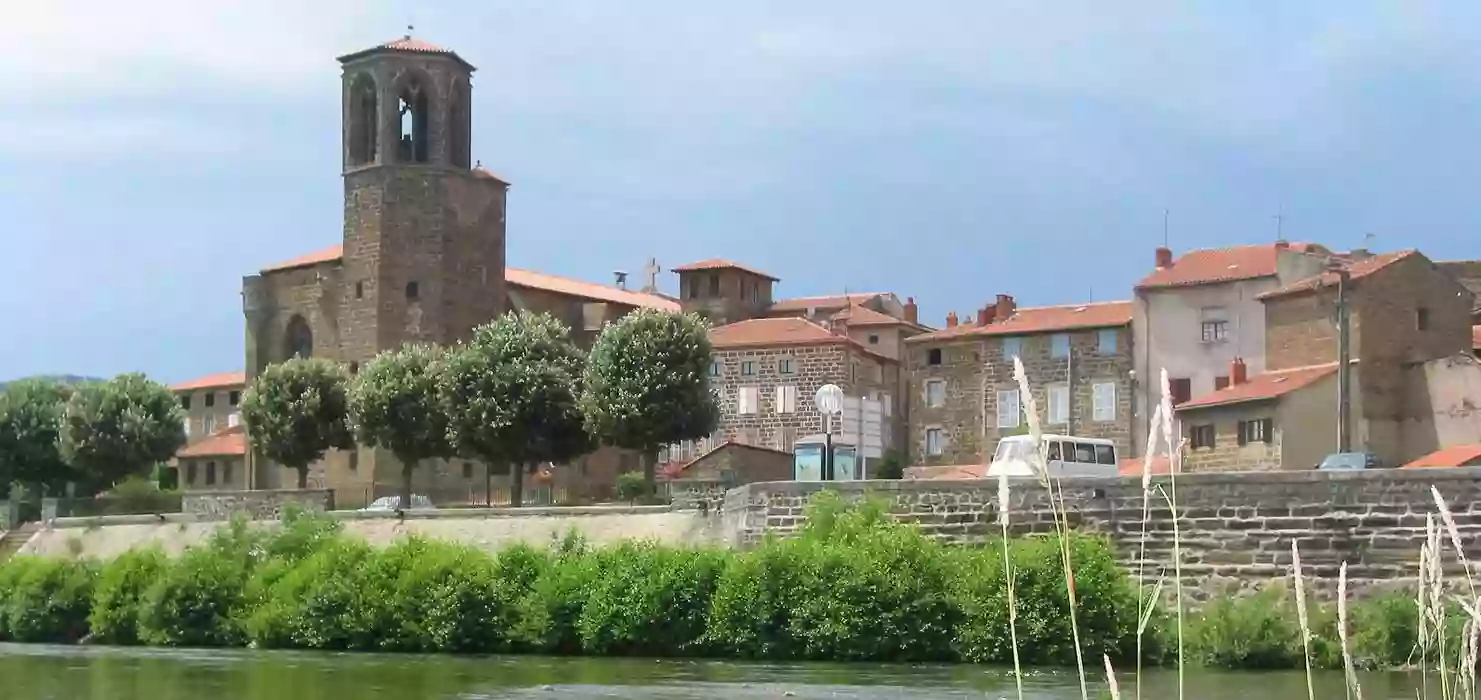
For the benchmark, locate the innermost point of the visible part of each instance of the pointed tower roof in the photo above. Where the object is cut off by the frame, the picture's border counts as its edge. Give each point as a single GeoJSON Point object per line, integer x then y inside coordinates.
{"type": "Point", "coordinates": [407, 44]}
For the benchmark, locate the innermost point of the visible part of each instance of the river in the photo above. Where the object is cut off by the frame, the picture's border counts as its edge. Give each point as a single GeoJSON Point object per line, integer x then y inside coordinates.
{"type": "Point", "coordinates": [100, 673]}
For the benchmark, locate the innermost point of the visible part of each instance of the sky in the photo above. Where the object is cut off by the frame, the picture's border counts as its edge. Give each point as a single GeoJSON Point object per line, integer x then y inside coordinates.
{"type": "Point", "coordinates": [152, 153]}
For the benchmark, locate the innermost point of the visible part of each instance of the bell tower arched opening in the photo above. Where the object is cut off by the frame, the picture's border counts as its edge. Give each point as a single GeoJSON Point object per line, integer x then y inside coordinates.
{"type": "Point", "coordinates": [364, 120]}
{"type": "Point", "coordinates": [413, 107]}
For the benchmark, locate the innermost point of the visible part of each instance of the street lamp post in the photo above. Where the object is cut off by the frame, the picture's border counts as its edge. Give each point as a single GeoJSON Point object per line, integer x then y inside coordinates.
{"type": "Point", "coordinates": [829, 400]}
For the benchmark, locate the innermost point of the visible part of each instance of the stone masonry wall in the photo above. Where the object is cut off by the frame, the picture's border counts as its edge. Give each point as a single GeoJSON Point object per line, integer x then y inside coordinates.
{"type": "Point", "coordinates": [812, 366]}
{"type": "Point", "coordinates": [1226, 454]}
{"type": "Point", "coordinates": [257, 505]}
{"type": "Point", "coordinates": [970, 436]}
{"type": "Point", "coordinates": [1235, 529]}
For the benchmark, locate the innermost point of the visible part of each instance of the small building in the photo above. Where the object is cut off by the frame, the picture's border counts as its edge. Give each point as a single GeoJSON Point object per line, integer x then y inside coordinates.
{"type": "Point", "coordinates": [1457, 456]}
{"type": "Point", "coordinates": [734, 464]}
{"type": "Point", "coordinates": [1283, 419]}
{"type": "Point", "coordinates": [211, 403]}
{"type": "Point", "coordinates": [216, 463]}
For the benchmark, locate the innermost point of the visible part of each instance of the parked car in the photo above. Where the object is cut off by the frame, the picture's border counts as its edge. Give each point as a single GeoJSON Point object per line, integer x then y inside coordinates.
{"type": "Point", "coordinates": [1349, 460]}
{"type": "Point", "coordinates": [418, 502]}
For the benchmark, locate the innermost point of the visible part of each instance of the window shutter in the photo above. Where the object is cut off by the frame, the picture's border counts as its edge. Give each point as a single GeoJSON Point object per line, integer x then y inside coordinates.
{"type": "Point", "coordinates": [1244, 430]}
{"type": "Point", "coordinates": [1269, 430]}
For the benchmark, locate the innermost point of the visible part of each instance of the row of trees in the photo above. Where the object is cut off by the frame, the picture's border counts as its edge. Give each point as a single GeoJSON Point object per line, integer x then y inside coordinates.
{"type": "Point", "coordinates": [519, 393]}
{"type": "Point", "coordinates": [92, 434]}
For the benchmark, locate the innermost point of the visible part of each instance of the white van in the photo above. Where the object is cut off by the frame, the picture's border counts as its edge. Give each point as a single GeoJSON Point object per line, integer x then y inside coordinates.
{"type": "Point", "coordinates": [1067, 457]}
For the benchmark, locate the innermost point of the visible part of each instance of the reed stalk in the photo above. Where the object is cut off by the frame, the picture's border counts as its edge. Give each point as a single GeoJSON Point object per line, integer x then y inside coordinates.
{"type": "Point", "coordinates": [1302, 617]}
{"type": "Point", "coordinates": [1004, 504]}
{"type": "Point", "coordinates": [1111, 678]}
{"type": "Point", "coordinates": [1349, 669]}
{"type": "Point", "coordinates": [1175, 465]}
{"type": "Point", "coordinates": [1145, 604]}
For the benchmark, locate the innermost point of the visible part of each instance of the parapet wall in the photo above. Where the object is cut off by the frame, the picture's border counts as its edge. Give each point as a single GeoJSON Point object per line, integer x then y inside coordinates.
{"type": "Point", "coordinates": [1235, 528]}
{"type": "Point", "coordinates": [256, 505]}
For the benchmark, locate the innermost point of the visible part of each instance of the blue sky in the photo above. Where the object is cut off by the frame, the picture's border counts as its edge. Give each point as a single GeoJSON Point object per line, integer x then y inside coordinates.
{"type": "Point", "coordinates": [152, 153]}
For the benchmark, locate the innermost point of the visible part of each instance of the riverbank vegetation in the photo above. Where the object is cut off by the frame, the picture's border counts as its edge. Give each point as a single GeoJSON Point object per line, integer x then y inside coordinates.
{"type": "Point", "coordinates": [854, 585]}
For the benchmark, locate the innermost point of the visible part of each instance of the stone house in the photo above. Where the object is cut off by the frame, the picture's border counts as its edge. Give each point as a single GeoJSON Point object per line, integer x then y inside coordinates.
{"type": "Point", "coordinates": [766, 371]}
{"type": "Point", "coordinates": [733, 464]}
{"type": "Point", "coordinates": [214, 455]}
{"type": "Point", "coordinates": [1194, 314]}
{"type": "Point", "coordinates": [1406, 314]}
{"type": "Point", "coordinates": [1282, 419]}
{"type": "Point", "coordinates": [210, 404]}
{"type": "Point", "coordinates": [216, 463]}
{"type": "Point", "coordinates": [963, 397]}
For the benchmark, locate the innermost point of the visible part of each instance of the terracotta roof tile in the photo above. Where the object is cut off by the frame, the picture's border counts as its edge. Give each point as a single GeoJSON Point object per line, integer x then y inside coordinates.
{"type": "Point", "coordinates": [408, 44]}
{"type": "Point", "coordinates": [1132, 466]}
{"type": "Point", "coordinates": [232, 441]}
{"type": "Point", "coordinates": [522, 278]}
{"type": "Point", "coordinates": [865, 316]}
{"type": "Point", "coordinates": [589, 290]}
{"type": "Point", "coordinates": [1222, 265]}
{"type": "Point", "coordinates": [718, 264]}
{"type": "Point", "coordinates": [212, 381]}
{"type": "Point", "coordinates": [833, 301]}
{"type": "Point", "coordinates": [772, 331]}
{"type": "Point", "coordinates": [1356, 271]}
{"type": "Point", "coordinates": [949, 472]}
{"type": "Point", "coordinates": [675, 470]}
{"type": "Point", "coordinates": [1263, 386]}
{"type": "Point", "coordinates": [1042, 319]}
{"type": "Point", "coordinates": [481, 172]}
{"type": "Point", "coordinates": [333, 253]}
{"type": "Point", "coordinates": [1456, 456]}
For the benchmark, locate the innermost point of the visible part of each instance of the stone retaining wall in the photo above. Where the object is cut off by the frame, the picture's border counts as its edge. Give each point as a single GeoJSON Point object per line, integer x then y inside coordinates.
{"type": "Point", "coordinates": [1235, 528]}
{"type": "Point", "coordinates": [257, 505]}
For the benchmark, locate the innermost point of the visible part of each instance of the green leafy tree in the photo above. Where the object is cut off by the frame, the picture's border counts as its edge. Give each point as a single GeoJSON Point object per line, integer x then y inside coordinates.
{"type": "Point", "coordinates": [510, 395]}
{"type": "Point", "coordinates": [30, 441]}
{"type": "Point", "coordinates": [394, 405]}
{"type": "Point", "coordinates": [120, 428]}
{"type": "Point", "coordinates": [297, 410]}
{"type": "Point", "coordinates": [647, 383]}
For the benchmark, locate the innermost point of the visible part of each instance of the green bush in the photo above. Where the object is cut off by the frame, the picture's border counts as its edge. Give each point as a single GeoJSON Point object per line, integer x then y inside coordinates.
{"type": "Point", "coordinates": [310, 605]}
{"type": "Point", "coordinates": [1259, 631]}
{"type": "Point", "coordinates": [197, 600]}
{"type": "Point", "coordinates": [649, 600]}
{"type": "Point", "coordinates": [119, 590]}
{"type": "Point", "coordinates": [11, 572]}
{"type": "Point", "coordinates": [549, 615]}
{"type": "Point", "coordinates": [48, 600]}
{"type": "Point", "coordinates": [631, 487]}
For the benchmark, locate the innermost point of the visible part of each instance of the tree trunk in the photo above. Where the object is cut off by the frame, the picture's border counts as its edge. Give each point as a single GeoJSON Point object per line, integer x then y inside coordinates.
{"type": "Point", "coordinates": [650, 466]}
{"type": "Point", "coordinates": [407, 465]}
{"type": "Point", "coordinates": [488, 484]}
{"type": "Point", "coordinates": [516, 485]}
{"type": "Point", "coordinates": [303, 477]}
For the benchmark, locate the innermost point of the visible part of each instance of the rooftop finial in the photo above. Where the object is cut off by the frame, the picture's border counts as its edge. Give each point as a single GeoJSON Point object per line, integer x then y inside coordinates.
{"type": "Point", "coordinates": [409, 29]}
{"type": "Point", "coordinates": [478, 164]}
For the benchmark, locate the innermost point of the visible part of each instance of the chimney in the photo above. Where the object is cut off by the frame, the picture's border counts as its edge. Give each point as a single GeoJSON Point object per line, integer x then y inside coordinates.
{"type": "Point", "coordinates": [1360, 254]}
{"type": "Point", "coordinates": [951, 319]}
{"type": "Point", "coordinates": [1282, 244]}
{"type": "Point", "coordinates": [1238, 372]}
{"type": "Point", "coordinates": [912, 312]}
{"type": "Point", "coordinates": [1005, 307]}
{"type": "Point", "coordinates": [621, 278]}
{"type": "Point", "coordinates": [1164, 257]}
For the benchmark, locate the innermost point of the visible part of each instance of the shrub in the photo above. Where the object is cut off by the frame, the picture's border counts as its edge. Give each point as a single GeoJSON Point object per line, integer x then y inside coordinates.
{"type": "Point", "coordinates": [1259, 631]}
{"type": "Point", "coordinates": [649, 600]}
{"type": "Point", "coordinates": [632, 487]}
{"type": "Point", "coordinates": [310, 605]}
{"type": "Point", "coordinates": [48, 600]}
{"type": "Point", "coordinates": [550, 612]}
{"type": "Point", "coordinates": [428, 596]}
{"type": "Point", "coordinates": [119, 590]}
{"type": "Point", "coordinates": [197, 600]}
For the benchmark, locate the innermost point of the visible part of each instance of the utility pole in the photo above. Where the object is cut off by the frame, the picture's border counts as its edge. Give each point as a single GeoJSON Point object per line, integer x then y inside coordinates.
{"type": "Point", "coordinates": [1344, 363]}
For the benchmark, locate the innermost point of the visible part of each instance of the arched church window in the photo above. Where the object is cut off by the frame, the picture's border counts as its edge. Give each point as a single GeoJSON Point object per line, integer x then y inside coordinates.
{"type": "Point", "coordinates": [412, 106]}
{"type": "Point", "coordinates": [459, 126]}
{"type": "Point", "coordinates": [364, 115]}
{"type": "Point", "coordinates": [300, 338]}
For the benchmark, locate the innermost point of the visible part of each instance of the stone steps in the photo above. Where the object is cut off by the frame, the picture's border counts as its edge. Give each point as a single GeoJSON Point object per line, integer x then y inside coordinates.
{"type": "Point", "coordinates": [12, 541]}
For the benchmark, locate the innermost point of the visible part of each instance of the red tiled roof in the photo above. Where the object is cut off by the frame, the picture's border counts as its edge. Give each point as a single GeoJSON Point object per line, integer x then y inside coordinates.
{"type": "Point", "coordinates": [589, 290]}
{"type": "Point", "coordinates": [832, 301]}
{"type": "Point", "coordinates": [408, 44]}
{"type": "Point", "coordinates": [212, 381]}
{"type": "Point", "coordinates": [1132, 466]}
{"type": "Point", "coordinates": [1263, 386]}
{"type": "Point", "coordinates": [865, 316]}
{"type": "Point", "coordinates": [1456, 456]}
{"type": "Point", "coordinates": [1222, 265]}
{"type": "Point", "coordinates": [675, 470]}
{"type": "Point", "coordinates": [232, 441]}
{"type": "Point", "coordinates": [772, 331]}
{"type": "Point", "coordinates": [521, 278]}
{"type": "Point", "coordinates": [950, 472]}
{"type": "Point", "coordinates": [718, 264]}
{"type": "Point", "coordinates": [1042, 319]}
{"type": "Point", "coordinates": [482, 172]}
{"type": "Point", "coordinates": [1356, 271]}
{"type": "Point", "coordinates": [333, 253]}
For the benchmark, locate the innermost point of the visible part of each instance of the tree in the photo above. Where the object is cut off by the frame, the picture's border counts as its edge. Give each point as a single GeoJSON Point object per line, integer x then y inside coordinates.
{"type": "Point", "coordinates": [394, 405]}
{"type": "Point", "coordinates": [510, 395]}
{"type": "Point", "coordinates": [120, 428]}
{"type": "Point", "coordinates": [647, 383]}
{"type": "Point", "coordinates": [297, 410]}
{"type": "Point", "coordinates": [30, 435]}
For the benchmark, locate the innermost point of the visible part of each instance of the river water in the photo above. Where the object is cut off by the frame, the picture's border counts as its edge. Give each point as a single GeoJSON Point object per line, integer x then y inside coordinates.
{"type": "Point", "coordinates": [96, 673]}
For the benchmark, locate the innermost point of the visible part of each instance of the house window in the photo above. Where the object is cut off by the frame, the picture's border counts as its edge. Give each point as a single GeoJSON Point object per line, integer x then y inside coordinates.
{"type": "Point", "coordinates": [1012, 347]}
{"type": "Point", "coordinates": [1221, 382]}
{"type": "Point", "coordinates": [1422, 318]}
{"type": "Point", "coordinates": [935, 442]}
{"type": "Point", "coordinates": [1008, 409]}
{"type": "Point", "coordinates": [1059, 404]}
{"type": "Point", "coordinates": [935, 393]}
{"type": "Point", "coordinates": [210, 473]}
{"type": "Point", "coordinates": [210, 399]}
{"type": "Point", "coordinates": [886, 405]}
{"type": "Point", "coordinates": [715, 368]}
{"type": "Point", "coordinates": [467, 470]}
{"type": "Point", "coordinates": [234, 398]}
{"type": "Point", "coordinates": [746, 400]}
{"type": "Point", "coordinates": [208, 424]}
{"type": "Point", "coordinates": [226, 473]}
{"type": "Point", "coordinates": [786, 399]}
{"type": "Point", "coordinates": [190, 474]}
{"type": "Point", "coordinates": [784, 365]}
{"type": "Point", "coordinates": [748, 368]}
{"type": "Point", "coordinates": [693, 288]}
{"type": "Point", "coordinates": [715, 285]}
{"type": "Point", "coordinates": [1202, 436]}
{"type": "Point", "coordinates": [1103, 398]}
{"type": "Point", "coordinates": [412, 291]}
{"type": "Point", "coordinates": [1059, 345]}
{"type": "Point", "coordinates": [186, 423]}
{"type": "Point", "coordinates": [185, 401]}
{"type": "Point", "coordinates": [873, 339]}
{"type": "Point", "coordinates": [1105, 341]}
{"type": "Point", "coordinates": [933, 356]}
{"type": "Point", "coordinates": [233, 419]}
{"type": "Point", "coordinates": [1258, 430]}
{"type": "Point", "coordinates": [359, 290]}
{"type": "Point", "coordinates": [1215, 331]}
{"type": "Point", "coordinates": [1182, 390]}
{"type": "Point", "coordinates": [354, 460]}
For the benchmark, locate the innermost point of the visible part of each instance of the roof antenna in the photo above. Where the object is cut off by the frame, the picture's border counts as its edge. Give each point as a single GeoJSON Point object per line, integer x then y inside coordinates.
{"type": "Point", "coordinates": [1165, 213]}
{"type": "Point", "coordinates": [1280, 227]}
